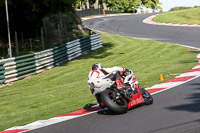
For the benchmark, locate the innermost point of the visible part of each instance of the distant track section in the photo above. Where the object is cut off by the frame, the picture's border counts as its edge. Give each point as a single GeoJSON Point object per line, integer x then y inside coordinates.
{"type": "Point", "coordinates": [150, 21]}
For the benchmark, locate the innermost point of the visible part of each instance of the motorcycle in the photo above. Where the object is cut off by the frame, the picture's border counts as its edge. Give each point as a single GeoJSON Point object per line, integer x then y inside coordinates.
{"type": "Point", "coordinates": [121, 100]}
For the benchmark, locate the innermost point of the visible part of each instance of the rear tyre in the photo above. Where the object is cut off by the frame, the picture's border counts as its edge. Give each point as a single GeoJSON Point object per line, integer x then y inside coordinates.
{"type": "Point", "coordinates": [148, 99]}
{"type": "Point", "coordinates": [119, 105]}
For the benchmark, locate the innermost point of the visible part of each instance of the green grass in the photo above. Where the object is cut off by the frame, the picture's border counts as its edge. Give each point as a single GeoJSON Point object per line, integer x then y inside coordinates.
{"type": "Point", "coordinates": [64, 89]}
{"type": "Point", "coordinates": [188, 16]}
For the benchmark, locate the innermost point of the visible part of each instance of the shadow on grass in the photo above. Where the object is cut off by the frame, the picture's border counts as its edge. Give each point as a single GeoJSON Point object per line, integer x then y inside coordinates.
{"type": "Point", "coordinates": [193, 60]}
{"type": "Point", "coordinates": [96, 54]}
{"type": "Point", "coordinates": [99, 53]}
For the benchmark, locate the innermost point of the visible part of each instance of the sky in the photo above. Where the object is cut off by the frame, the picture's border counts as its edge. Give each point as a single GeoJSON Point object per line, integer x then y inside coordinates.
{"type": "Point", "coordinates": [168, 4]}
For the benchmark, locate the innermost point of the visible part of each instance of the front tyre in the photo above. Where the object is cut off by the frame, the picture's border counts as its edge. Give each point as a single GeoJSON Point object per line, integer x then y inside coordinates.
{"type": "Point", "coordinates": [117, 105]}
{"type": "Point", "coordinates": [148, 99]}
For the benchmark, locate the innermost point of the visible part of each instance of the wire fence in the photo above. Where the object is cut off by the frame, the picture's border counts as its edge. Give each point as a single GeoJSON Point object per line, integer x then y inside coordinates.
{"type": "Point", "coordinates": [55, 29]}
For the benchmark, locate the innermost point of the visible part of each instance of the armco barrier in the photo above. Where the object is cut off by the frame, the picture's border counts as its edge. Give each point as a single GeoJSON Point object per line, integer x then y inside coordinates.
{"type": "Point", "coordinates": [92, 11]}
{"type": "Point", "coordinates": [16, 68]}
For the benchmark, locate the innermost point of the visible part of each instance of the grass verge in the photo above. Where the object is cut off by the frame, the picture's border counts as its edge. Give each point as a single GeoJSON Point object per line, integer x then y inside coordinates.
{"type": "Point", "coordinates": [188, 16]}
{"type": "Point", "coordinates": [64, 89]}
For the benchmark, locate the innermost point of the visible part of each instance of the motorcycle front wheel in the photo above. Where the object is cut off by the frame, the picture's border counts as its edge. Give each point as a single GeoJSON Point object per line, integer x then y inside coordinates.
{"type": "Point", "coordinates": [148, 99]}
{"type": "Point", "coordinates": [118, 105]}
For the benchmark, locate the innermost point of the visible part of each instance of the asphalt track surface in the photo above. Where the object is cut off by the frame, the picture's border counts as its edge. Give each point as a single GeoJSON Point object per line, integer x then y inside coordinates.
{"type": "Point", "coordinates": [174, 111]}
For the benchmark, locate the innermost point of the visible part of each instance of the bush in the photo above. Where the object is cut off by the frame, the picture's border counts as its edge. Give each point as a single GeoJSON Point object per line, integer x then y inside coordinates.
{"type": "Point", "coordinates": [179, 8]}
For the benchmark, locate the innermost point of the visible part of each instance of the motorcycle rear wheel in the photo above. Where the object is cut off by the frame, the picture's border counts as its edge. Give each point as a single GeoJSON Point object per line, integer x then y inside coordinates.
{"type": "Point", "coordinates": [118, 106]}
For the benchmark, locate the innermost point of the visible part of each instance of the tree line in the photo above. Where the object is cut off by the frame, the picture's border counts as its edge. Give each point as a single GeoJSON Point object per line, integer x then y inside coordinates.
{"type": "Point", "coordinates": [182, 8]}
{"type": "Point", "coordinates": [27, 14]}
{"type": "Point", "coordinates": [118, 5]}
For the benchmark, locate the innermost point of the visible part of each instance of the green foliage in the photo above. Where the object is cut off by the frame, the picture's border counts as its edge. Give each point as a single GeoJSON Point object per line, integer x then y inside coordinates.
{"type": "Point", "coordinates": [123, 5]}
{"type": "Point", "coordinates": [179, 8]}
{"type": "Point", "coordinates": [27, 14]}
{"type": "Point", "coordinates": [126, 5]}
{"type": "Point", "coordinates": [182, 8]}
{"type": "Point", "coordinates": [196, 6]}
{"type": "Point", "coordinates": [69, 24]}
{"type": "Point", "coordinates": [153, 4]}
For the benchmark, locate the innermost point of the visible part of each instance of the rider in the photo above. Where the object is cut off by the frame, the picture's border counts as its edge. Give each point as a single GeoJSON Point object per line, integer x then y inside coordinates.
{"type": "Point", "coordinates": [100, 73]}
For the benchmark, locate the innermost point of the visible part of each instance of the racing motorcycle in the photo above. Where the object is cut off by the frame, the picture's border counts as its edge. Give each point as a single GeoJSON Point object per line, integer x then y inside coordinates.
{"type": "Point", "coordinates": [121, 100]}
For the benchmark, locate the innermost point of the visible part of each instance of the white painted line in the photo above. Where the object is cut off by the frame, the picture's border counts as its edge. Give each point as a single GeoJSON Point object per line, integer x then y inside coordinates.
{"type": "Point", "coordinates": [189, 74]}
{"type": "Point", "coordinates": [174, 86]}
{"type": "Point", "coordinates": [44, 123]}
{"type": "Point", "coordinates": [166, 85]}
{"type": "Point", "coordinates": [196, 67]}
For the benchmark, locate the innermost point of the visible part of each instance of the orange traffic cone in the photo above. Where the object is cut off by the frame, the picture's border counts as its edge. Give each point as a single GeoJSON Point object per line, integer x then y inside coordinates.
{"type": "Point", "coordinates": [104, 12]}
{"type": "Point", "coordinates": [161, 77]}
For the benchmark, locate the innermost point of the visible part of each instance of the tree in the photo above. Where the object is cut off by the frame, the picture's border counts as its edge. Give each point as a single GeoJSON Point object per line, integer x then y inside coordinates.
{"type": "Point", "coordinates": [104, 4]}
{"type": "Point", "coordinates": [26, 15]}
{"type": "Point", "coordinates": [96, 5]}
{"type": "Point", "coordinates": [153, 4]}
{"type": "Point", "coordinates": [128, 5]}
{"type": "Point", "coordinates": [88, 4]}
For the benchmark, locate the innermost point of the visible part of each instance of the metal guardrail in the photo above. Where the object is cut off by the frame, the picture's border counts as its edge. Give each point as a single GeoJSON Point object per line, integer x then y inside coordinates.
{"type": "Point", "coordinates": [92, 11]}
{"type": "Point", "coordinates": [17, 68]}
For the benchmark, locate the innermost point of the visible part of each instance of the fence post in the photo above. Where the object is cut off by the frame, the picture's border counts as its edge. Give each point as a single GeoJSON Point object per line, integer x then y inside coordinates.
{"type": "Point", "coordinates": [36, 34]}
{"type": "Point", "coordinates": [99, 12]}
{"type": "Point", "coordinates": [22, 35]}
{"type": "Point", "coordinates": [42, 38]}
{"type": "Point", "coordinates": [3, 48]}
{"type": "Point", "coordinates": [16, 44]}
{"type": "Point", "coordinates": [1, 44]}
{"type": "Point", "coordinates": [59, 33]}
{"type": "Point", "coordinates": [61, 22]}
{"type": "Point", "coordinates": [31, 45]}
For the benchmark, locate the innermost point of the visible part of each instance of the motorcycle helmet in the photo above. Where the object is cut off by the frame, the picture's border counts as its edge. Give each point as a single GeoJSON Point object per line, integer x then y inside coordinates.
{"type": "Point", "coordinates": [97, 66]}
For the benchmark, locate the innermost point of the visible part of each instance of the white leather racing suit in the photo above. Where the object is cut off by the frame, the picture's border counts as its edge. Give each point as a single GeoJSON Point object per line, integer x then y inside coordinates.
{"type": "Point", "coordinates": [97, 80]}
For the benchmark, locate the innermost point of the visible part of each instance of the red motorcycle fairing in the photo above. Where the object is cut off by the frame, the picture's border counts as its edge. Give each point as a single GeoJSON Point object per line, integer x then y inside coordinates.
{"type": "Point", "coordinates": [136, 98]}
